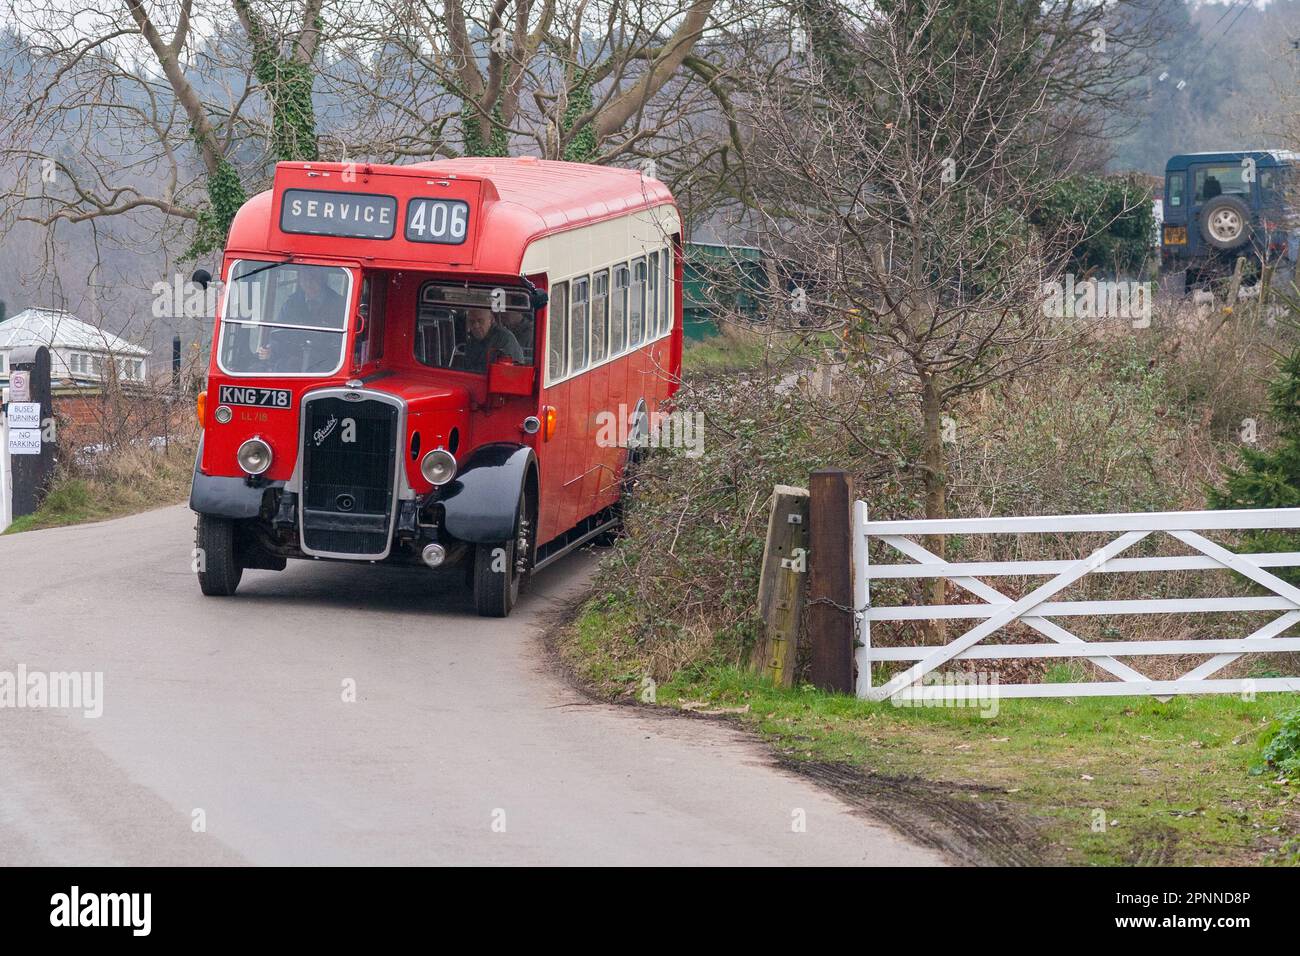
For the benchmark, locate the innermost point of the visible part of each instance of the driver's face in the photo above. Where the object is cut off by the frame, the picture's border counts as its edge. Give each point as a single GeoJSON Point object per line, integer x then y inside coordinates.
{"type": "Point", "coordinates": [313, 283]}
{"type": "Point", "coordinates": [479, 323]}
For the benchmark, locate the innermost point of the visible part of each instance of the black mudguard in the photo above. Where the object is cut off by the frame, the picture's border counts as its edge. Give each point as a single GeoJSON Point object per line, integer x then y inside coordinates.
{"type": "Point", "coordinates": [479, 505]}
{"type": "Point", "coordinates": [226, 497]}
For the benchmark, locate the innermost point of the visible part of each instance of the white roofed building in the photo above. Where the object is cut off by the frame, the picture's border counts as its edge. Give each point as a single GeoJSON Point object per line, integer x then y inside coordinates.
{"type": "Point", "coordinates": [80, 354]}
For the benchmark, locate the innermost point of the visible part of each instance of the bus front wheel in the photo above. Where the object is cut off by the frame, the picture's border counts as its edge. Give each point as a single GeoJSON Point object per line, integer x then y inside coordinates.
{"type": "Point", "coordinates": [500, 569]}
{"type": "Point", "coordinates": [216, 558]}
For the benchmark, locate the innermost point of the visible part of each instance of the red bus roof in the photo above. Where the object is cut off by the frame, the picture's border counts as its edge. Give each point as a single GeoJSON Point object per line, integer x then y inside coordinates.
{"type": "Point", "coordinates": [512, 200]}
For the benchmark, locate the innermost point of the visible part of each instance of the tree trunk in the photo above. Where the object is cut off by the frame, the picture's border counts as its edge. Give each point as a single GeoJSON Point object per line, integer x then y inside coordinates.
{"type": "Point", "coordinates": [615, 115]}
{"type": "Point", "coordinates": [936, 492]}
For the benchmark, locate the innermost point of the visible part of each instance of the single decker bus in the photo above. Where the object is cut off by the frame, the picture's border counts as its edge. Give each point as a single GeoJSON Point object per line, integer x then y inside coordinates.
{"type": "Point", "coordinates": [418, 365]}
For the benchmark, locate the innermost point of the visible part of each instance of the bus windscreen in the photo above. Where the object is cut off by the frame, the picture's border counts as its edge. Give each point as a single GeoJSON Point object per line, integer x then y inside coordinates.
{"type": "Point", "coordinates": [284, 318]}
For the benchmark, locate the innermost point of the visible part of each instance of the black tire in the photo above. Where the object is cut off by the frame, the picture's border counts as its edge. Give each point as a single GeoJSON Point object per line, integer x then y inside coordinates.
{"type": "Point", "coordinates": [1225, 222]}
{"type": "Point", "coordinates": [219, 569]}
{"type": "Point", "coordinates": [497, 575]}
{"type": "Point", "coordinates": [627, 485]}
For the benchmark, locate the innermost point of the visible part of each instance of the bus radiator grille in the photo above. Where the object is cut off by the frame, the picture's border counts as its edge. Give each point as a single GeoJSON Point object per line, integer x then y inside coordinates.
{"type": "Point", "coordinates": [349, 464]}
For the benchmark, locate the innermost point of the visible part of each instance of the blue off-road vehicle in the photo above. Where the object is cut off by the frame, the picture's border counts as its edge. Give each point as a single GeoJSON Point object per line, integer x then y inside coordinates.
{"type": "Point", "coordinates": [1222, 206]}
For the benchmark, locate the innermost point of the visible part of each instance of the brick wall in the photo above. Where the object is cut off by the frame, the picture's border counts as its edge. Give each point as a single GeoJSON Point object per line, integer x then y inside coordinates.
{"type": "Point", "coordinates": [87, 416]}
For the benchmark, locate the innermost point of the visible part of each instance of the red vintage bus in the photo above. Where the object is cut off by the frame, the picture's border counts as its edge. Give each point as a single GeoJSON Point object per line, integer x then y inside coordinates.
{"type": "Point", "coordinates": [418, 365]}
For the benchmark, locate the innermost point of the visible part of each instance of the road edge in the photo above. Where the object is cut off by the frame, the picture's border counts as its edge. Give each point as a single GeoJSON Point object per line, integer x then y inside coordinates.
{"type": "Point", "coordinates": [942, 817]}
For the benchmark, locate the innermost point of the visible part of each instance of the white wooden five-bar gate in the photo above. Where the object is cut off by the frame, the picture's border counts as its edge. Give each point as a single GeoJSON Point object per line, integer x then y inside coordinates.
{"type": "Point", "coordinates": [1039, 611]}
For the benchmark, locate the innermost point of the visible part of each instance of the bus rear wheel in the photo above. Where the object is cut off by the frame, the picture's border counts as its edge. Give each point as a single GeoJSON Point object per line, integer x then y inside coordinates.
{"type": "Point", "coordinates": [217, 559]}
{"type": "Point", "coordinates": [500, 569]}
{"type": "Point", "coordinates": [627, 485]}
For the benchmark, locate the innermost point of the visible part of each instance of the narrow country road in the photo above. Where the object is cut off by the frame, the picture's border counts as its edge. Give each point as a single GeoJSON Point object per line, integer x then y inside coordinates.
{"type": "Point", "coordinates": [462, 746]}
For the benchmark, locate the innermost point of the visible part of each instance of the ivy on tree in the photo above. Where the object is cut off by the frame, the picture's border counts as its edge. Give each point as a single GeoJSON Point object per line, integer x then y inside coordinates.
{"type": "Point", "coordinates": [287, 81]}
{"type": "Point", "coordinates": [581, 145]}
{"type": "Point", "coordinates": [471, 124]}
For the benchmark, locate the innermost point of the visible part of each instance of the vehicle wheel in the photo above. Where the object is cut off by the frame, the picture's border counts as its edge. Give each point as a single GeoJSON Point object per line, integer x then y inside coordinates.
{"type": "Point", "coordinates": [606, 539]}
{"type": "Point", "coordinates": [1225, 222]}
{"type": "Point", "coordinates": [636, 451]}
{"type": "Point", "coordinates": [219, 569]}
{"type": "Point", "coordinates": [500, 569]}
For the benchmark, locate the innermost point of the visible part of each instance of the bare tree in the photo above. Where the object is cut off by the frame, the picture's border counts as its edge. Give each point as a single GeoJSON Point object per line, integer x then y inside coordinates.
{"type": "Point", "coordinates": [176, 113]}
{"type": "Point", "coordinates": [902, 157]}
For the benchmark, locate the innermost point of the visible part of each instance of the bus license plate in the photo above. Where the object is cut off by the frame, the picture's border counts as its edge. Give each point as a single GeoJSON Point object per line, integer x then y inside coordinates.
{"type": "Point", "coordinates": [251, 395]}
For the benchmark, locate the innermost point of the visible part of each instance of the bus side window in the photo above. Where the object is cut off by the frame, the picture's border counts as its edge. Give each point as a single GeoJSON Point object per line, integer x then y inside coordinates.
{"type": "Point", "coordinates": [636, 311]}
{"type": "Point", "coordinates": [666, 313]}
{"type": "Point", "coordinates": [578, 327]}
{"type": "Point", "coordinates": [557, 315]}
{"type": "Point", "coordinates": [653, 328]}
{"type": "Point", "coordinates": [618, 312]}
{"type": "Point", "coordinates": [599, 316]}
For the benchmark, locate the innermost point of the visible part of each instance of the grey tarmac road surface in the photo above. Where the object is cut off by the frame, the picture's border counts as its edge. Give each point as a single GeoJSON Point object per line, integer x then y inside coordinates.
{"type": "Point", "coordinates": [463, 745]}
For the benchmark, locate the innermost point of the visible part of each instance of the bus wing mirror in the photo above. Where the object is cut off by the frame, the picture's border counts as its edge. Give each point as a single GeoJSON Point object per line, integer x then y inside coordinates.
{"type": "Point", "coordinates": [201, 278]}
{"type": "Point", "coordinates": [538, 299]}
{"type": "Point", "coordinates": [507, 378]}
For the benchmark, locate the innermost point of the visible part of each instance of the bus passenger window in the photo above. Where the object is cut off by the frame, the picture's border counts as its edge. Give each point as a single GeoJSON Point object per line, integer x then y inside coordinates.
{"type": "Point", "coordinates": [439, 333]}
{"type": "Point", "coordinates": [636, 310]}
{"type": "Point", "coordinates": [653, 328]}
{"type": "Point", "coordinates": [578, 327]}
{"type": "Point", "coordinates": [557, 313]}
{"type": "Point", "coordinates": [599, 316]}
{"type": "Point", "coordinates": [618, 312]}
{"type": "Point", "coordinates": [465, 328]}
{"type": "Point", "coordinates": [666, 313]}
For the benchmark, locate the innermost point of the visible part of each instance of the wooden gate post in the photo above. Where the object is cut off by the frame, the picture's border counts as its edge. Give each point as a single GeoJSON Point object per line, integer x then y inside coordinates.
{"type": "Point", "coordinates": [781, 585]}
{"type": "Point", "coordinates": [830, 581]}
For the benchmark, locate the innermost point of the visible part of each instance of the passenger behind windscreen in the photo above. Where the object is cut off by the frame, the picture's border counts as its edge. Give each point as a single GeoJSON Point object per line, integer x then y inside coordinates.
{"type": "Point", "coordinates": [520, 325]}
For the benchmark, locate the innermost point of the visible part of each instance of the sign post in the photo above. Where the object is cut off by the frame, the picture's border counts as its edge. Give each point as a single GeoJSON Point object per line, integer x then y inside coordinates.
{"type": "Point", "coordinates": [29, 439]}
{"type": "Point", "coordinates": [6, 480]}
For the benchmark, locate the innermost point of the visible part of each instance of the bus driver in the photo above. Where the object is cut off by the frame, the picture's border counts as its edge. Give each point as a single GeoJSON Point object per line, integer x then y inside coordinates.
{"type": "Point", "coordinates": [292, 350]}
{"type": "Point", "coordinates": [488, 340]}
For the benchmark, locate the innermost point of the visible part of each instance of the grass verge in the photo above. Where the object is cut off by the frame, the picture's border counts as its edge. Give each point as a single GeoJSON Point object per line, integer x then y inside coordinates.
{"type": "Point", "coordinates": [735, 348]}
{"type": "Point", "coordinates": [1092, 781]}
{"type": "Point", "coordinates": [136, 482]}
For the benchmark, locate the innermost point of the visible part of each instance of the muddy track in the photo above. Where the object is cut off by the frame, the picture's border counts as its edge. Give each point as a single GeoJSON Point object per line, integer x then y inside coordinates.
{"type": "Point", "coordinates": [942, 816]}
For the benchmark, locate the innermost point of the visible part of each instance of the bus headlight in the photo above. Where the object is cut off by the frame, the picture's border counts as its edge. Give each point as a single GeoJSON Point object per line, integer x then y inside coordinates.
{"type": "Point", "coordinates": [254, 456]}
{"type": "Point", "coordinates": [438, 467]}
